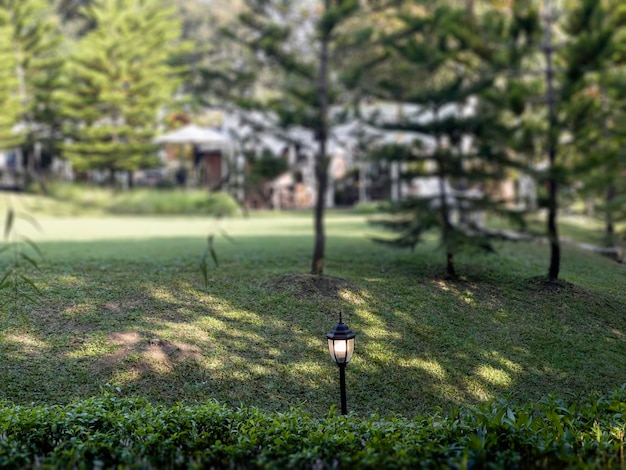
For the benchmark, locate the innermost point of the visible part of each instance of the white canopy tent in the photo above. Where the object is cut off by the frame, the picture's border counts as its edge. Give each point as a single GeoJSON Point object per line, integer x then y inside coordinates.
{"type": "Point", "coordinates": [201, 136]}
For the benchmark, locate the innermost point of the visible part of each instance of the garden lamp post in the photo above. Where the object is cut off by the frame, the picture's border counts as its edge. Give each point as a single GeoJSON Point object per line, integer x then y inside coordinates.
{"type": "Point", "coordinates": [341, 347]}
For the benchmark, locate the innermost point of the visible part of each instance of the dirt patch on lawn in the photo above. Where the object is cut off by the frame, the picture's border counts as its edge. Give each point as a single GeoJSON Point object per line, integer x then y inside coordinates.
{"type": "Point", "coordinates": [171, 351]}
{"type": "Point", "coordinates": [125, 305]}
{"type": "Point", "coordinates": [147, 352]}
{"type": "Point", "coordinates": [306, 286]}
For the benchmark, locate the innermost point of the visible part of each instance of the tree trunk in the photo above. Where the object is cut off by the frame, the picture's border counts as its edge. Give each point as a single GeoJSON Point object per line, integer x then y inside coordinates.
{"type": "Point", "coordinates": [444, 212]}
{"type": "Point", "coordinates": [611, 192]}
{"type": "Point", "coordinates": [131, 179]}
{"type": "Point", "coordinates": [321, 166]}
{"type": "Point", "coordinates": [553, 236]}
{"type": "Point", "coordinates": [610, 226]}
{"type": "Point", "coordinates": [450, 266]}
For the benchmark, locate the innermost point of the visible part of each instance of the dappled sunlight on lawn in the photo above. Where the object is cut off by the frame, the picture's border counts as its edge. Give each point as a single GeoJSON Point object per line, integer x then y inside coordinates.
{"type": "Point", "coordinates": [161, 294]}
{"type": "Point", "coordinates": [70, 281]}
{"type": "Point", "coordinates": [353, 298]}
{"type": "Point", "coordinates": [92, 346]}
{"type": "Point", "coordinates": [126, 304]}
{"type": "Point", "coordinates": [493, 376]}
{"type": "Point", "coordinates": [23, 344]}
{"type": "Point", "coordinates": [498, 358]}
{"type": "Point", "coordinates": [468, 298]}
{"type": "Point", "coordinates": [239, 343]}
{"type": "Point", "coordinates": [430, 366]}
{"type": "Point", "coordinates": [442, 284]}
{"type": "Point", "coordinates": [226, 347]}
{"type": "Point", "coordinates": [76, 311]}
{"type": "Point", "coordinates": [126, 377]}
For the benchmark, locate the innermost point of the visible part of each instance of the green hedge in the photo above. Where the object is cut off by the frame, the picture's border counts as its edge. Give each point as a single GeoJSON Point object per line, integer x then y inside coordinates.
{"type": "Point", "coordinates": [146, 201]}
{"type": "Point", "coordinates": [110, 431]}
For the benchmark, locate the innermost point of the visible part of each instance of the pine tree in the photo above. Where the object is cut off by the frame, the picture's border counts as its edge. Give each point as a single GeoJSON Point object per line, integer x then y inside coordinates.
{"type": "Point", "coordinates": [594, 101]}
{"type": "Point", "coordinates": [120, 79]}
{"type": "Point", "coordinates": [35, 44]}
{"type": "Point", "coordinates": [9, 97]}
{"type": "Point", "coordinates": [297, 48]}
{"type": "Point", "coordinates": [466, 109]}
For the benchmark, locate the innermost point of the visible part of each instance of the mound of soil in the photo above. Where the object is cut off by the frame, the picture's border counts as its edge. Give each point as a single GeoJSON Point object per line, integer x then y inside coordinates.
{"type": "Point", "coordinates": [542, 283]}
{"type": "Point", "coordinates": [307, 286]}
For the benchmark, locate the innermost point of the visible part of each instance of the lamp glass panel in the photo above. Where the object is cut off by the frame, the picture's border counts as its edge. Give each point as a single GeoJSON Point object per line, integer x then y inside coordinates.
{"type": "Point", "coordinates": [350, 351]}
{"type": "Point", "coordinates": [334, 349]}
{"type": "Point", "coordinates": [341, 350]}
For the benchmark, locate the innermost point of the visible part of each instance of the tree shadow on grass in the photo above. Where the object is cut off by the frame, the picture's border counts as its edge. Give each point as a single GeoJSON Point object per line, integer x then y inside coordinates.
{"type": "Point", "coordinates": [257, 336]}
{"type": "Point", "coordinates": [516, 339]}
{"type": "Point", "coordinates": [160, 336]}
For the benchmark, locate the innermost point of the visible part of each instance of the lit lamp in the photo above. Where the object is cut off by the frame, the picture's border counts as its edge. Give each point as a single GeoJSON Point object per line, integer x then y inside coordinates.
{"type": "Point", "coordinates": [341, 347]}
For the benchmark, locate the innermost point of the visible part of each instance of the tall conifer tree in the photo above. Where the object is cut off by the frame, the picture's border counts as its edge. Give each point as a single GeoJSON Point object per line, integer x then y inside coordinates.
{"type": "Point", "coordinates": [9, 87]}
{"type": "Point", "coordinates": [297, 52]}
{"type": "Point", "coordinates": [458, 62]}
{"type": "Point", "coordinates": [594, 101]}
{"type": "Point", "coordinates": [35, 41]}
{"type": "Point", "coordinates": [120, 79]}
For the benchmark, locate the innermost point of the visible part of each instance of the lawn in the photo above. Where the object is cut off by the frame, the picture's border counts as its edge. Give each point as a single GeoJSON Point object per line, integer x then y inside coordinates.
{"type": "Point", "coordinates": [123, 303]}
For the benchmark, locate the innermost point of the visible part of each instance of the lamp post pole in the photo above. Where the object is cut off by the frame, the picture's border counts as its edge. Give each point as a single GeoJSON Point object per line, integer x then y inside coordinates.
{"type": "Point", "coordinates": [342, 386]}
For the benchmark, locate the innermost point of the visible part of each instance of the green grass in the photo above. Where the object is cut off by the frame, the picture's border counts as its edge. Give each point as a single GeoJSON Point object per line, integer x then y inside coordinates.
{"type": "Point", "coordinates": [123, 302]}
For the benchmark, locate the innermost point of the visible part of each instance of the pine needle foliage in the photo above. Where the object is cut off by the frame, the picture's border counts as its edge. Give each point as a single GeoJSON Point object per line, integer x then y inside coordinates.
{"type": "Point", "coordinates": [121, 78]}
{"type": "Point", "coordinates": [9, 99]}
{"type": "Point", "coordinates": [455, 77]}
{"type": "Point", "coordinates": [31, 50]}
{"type": "Point", "coordinates": [594, 104]}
